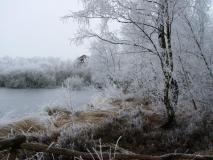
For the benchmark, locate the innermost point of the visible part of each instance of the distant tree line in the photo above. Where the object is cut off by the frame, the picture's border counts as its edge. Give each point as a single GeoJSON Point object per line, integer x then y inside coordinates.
{"type": "Point", "coordinates": [41, 72]}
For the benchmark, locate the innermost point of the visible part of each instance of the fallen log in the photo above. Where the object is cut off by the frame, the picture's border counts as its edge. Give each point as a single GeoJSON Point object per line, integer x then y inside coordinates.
{"type": "Point", "coordinates": [19, 142]}
{"type": "Point", "coordinates": [180, 156]}
{"type": "Point", "coordinates": [52, 150]}
{"type": "Point", "coordinates": [87, 156]}
{"type": "Point", "coordinates": [12, 142]}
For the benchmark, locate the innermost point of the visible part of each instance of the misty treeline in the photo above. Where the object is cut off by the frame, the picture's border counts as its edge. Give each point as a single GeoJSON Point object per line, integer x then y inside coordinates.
{"type": "Point", "coordinates": [157, 48]}
{"type": "Point", "coordinates": [42, 72]}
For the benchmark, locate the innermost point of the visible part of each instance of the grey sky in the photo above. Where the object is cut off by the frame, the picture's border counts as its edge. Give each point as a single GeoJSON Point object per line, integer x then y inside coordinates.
{"type": "Point", "coordinates": [33, 28]}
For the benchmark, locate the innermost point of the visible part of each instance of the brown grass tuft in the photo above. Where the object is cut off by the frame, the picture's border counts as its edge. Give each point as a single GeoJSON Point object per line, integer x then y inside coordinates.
{"type": "Point", "coordinates": [23, 126]}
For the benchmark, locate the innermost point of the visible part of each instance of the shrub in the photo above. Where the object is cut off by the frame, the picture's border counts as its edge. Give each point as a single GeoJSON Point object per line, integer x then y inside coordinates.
{"type": "Point", "coordinates": [193, 134]}
{"type": "Point", "coordinates": [74, 83]}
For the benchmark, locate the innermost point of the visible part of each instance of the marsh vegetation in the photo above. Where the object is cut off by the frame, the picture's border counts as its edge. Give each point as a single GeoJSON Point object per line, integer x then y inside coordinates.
{"type": "Point", "coordinates": [151, 62]}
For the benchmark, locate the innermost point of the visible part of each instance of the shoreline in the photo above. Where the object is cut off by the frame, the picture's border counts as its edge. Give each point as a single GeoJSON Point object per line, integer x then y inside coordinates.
{"type": "Point", "coordinates": [137, 121]}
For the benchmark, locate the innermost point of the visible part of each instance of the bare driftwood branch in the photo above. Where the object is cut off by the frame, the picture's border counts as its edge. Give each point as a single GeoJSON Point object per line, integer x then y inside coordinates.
{"type": "Point", "coordinates": [12, 142]}
{"type": "Point", "coordinates": [18, 142]}
{"type": "Point", "coordinates": [86, 156]}
{"type": "Point", "coordinates": [52, 150]}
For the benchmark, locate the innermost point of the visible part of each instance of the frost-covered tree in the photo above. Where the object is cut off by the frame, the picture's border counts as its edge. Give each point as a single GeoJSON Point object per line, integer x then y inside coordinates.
{"type": "Point", "coordinates": [152, 22]}
{"type": "Point", "coordinates": [193, 42]}
{"type": "Point", "coordinates": [197, 21]}
{"type": "Point", "coordinates": [170, 34]}
{"type": "Point", "coordinates": [105, 63]}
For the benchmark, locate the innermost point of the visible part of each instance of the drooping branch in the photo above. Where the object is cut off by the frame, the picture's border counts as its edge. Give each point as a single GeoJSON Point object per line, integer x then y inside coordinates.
{"type": "Point", "coordinates": [119, 42]}
{"type": "Point", "coordinates": [199, 46]}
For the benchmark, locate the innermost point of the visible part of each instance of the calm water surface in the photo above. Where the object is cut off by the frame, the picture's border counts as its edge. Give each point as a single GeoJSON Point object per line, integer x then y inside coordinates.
{"type": "Point", "coordinates": [16, 103]}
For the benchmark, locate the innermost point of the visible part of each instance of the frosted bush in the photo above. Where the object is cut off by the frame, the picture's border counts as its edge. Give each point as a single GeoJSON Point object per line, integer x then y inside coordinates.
{"type": "Point", "coordinates": [74, 83]}
{"type": "Point", "coordinates": [112, 92]}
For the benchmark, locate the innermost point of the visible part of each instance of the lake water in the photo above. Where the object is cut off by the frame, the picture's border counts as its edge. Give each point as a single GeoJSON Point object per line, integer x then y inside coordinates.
{"type": "Point", "coordinates": [17, 103]}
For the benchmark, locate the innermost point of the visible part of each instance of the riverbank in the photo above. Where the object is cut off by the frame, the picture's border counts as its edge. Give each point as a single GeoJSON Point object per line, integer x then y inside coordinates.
{"type": "Point", "coordinates": [135, 122]}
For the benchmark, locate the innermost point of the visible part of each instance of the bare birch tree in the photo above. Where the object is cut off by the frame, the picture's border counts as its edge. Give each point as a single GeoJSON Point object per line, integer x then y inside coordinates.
{"type": "Point", "coordinates": [146, 27]}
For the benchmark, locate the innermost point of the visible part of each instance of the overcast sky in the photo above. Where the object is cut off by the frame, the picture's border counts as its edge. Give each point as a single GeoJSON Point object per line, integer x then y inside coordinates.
{"type": "Point", "coordinates": [31, 28]}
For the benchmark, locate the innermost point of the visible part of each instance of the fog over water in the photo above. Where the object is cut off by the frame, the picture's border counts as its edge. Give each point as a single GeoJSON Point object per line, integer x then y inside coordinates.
{"type": "Point", "coordinates": [18, 103]}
